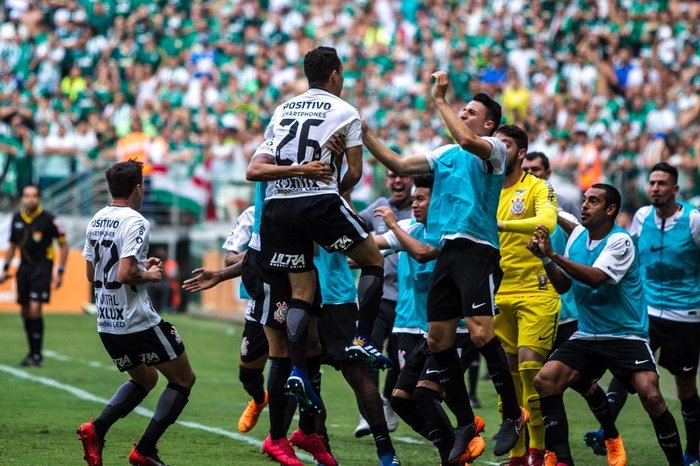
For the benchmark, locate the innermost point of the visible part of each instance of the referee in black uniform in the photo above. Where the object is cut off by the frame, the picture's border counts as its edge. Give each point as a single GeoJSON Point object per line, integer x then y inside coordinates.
{"type": "Point", "coordinates": [33, 232]}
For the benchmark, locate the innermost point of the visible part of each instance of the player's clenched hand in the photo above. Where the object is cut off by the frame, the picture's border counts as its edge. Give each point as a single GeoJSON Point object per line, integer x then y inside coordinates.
{"type": "Point", "coordinates": [387, 215]}
{"type": "Point", "coordinates": [336, 144]}
{"type": "Point", "coordinates": [151, 261]}
{"type": "Point", "coordinates": [57, 280]}
{"type": "Point", "coordinates": [317, 171]}
{"type": "Point", "coordinates": [205, 280]}
{"type": "Point", "coordinates": [155, 273]}
{"type": "Point", "coordinates": [541, 240]}
{"type": "Point", "coordinates": [440, 86]}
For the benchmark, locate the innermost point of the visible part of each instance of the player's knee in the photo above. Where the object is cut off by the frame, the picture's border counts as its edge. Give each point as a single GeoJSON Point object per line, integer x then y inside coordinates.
{"type": "Point", "coordinates": [653, 402]}
{"type": "Point", "coordinates": [545, 384]}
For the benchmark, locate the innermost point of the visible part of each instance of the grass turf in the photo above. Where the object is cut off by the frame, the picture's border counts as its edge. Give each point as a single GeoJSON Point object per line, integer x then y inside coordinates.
{"type": "Point", "coordinates": [38, 421]}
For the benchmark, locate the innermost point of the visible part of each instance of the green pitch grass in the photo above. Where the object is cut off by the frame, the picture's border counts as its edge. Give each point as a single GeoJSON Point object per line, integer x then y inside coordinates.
{"type": "Point", "coordinates": [40, 408]}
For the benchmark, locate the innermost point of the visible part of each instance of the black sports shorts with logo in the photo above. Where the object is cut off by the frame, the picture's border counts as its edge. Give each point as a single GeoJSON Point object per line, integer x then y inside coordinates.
{"type": "Point", "coordinates": [465, 280]}
{"type": "Point", "coordinates": [34, 282]}
{"type": "Point", "coordinates": [158, 344]}
{"type": "Point", "coordinates": [289, 228]}
{"type": "Point", "coordinates": [336, 329]}
{"type": "Point", "coordinates": [591, 358]}
{"type": "Point", "coordinates": [420, 365]}
{"type": "Point", "coordinates": [253, 342]}
{"type": "Point", "coordinates": [270, 291]}
{"type": "Point", "coordinates": [679, 343]}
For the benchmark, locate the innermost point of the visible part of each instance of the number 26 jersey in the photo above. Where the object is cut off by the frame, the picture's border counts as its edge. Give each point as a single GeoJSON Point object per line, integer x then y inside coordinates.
{"type": "Point", "coordinates": [116, 233]}
{"type": "Point", "coordinates": [297, 135]}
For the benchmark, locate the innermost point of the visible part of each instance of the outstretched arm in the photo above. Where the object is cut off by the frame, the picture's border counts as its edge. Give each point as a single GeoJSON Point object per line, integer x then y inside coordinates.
{"type": "Point", "coordinates": [460, 132]}
{"type": "Point", "coordinates": [410, 164]}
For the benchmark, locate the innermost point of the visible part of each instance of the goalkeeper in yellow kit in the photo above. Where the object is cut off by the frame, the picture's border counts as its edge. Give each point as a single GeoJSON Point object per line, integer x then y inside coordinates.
{"type": "Point", "coordinates": [527, 302]}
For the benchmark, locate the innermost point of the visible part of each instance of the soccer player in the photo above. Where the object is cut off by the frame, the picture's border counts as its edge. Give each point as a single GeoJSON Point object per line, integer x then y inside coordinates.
{"type": "Point", "coordinates": [399, 202]}
{"type": "Point", "coordinates": [336, 330]}
{"type": "Point", "coordinates": [254, 348]}
{"type": "Point", "coordinates": [418, 392]}
{"type": "Point", "coordinates": [136, 338]}
{"type": "Point", "coordinates": [33, 232]}
{"type": "Point", "coordinates": [529, 306]}
{"type": "Point", "coordinates": [462, 216]}
{"type": "Point", "coordinates": [299, 212]}
{"type": "Point", "coordinates": [668, 243]}
{"type": "Point", "coordinates": [601, 266]}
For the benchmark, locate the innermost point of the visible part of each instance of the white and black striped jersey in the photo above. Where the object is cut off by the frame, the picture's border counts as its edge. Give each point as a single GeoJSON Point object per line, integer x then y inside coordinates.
{"type": "Point", "coordinates": [299, 131]}
{"type": "Point", "coordinates": [115, 233]}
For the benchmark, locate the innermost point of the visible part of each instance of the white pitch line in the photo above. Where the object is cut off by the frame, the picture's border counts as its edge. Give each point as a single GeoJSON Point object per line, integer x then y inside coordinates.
{"type": "Point", "coordinates": [87, 396]}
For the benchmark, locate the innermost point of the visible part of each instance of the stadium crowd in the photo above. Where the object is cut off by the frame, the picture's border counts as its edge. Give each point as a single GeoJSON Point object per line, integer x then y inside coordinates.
{"type": "Point", "coordinates": [605, 89]}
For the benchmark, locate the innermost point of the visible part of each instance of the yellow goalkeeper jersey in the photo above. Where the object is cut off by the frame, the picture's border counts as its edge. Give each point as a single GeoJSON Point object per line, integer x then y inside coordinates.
{"type": "Point", "coordinates": [528, 203]}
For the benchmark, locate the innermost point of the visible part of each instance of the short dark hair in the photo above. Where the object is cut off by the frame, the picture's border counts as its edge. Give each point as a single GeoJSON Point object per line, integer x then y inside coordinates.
{"type": "Point", "coordinates": [32, 185]}
{"type": "Point", "coordinates": [493, 109]}
{"type": "Point", "coordinates": [123, 177]}
{"type": "Point", "coordinates": [666, 168]}
{"type": "Point", "coordinates": [423, 181]}
{"type": "Point", "coordinates": [517, 133]}
{"type": "Point", "coordinates": [319, 63]}
{"type": "Point", "coordinates": [612, 196]}
{"type": "Point", "coordinates": [538, 155]}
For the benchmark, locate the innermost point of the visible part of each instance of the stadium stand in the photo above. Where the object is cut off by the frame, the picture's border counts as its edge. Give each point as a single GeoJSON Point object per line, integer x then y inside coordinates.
{"type": "Point", "coordinates": [605, 89]}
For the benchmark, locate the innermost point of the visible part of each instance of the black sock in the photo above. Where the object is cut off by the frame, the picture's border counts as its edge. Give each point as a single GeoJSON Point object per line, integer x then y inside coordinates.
{"type": "Point", "coordinates": [297, 330]}
{"type": "Point", "coordinates": [668, 437]}
{"type": "Point", "coordinates": [690, 407]}
{"type": "Point", "coordinates": [474, 375]}
{"type": "Point", "coordinates": [369, 297]}
{"type": "Point", "coordinates": [452, 378]}
{"type": "Point", "coordinates": [289, 410]}
{"type": "Point", "coordinates": [382, 441]}
{"type": "Point", "coordinates": [499, 370]}
{"type": "Point", "coordinates": [127, 397]}
{"type": "Point", "coordinates": [277, 398]}
{"type": "Point", "coordinates": [556, 428]}
{"type": "Point", "coordinates": [599, 406]}
{"type": "Point", "coordinates": [407, 410]}
{"type": "Point", "coordinates": [34, 329]}
{"type": "Point", "coordinates": [170, 405]}
{"type": "Point", "coordinates": [253, 382]}
{"type": "Point", "coordinates": [440, 430]}
{"type": "Point", "coordinates": [392, 375]}
{"type": "Point", "coordinates": [617, 396]}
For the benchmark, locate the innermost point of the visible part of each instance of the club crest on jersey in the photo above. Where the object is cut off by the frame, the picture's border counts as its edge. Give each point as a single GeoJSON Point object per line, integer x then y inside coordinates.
{"type": "Point", "coordinates": [281, 312]}
{"type": "Point", "coordinates": [518, 206]}
{"type": "Point", "coordinates": [244, 346]}
{"type": "Point", "coordinates": [402, 358]}
{"type": "Point", "coordinates": [173, 331]}
{"type": "Point", "coordinates": [37, 236]}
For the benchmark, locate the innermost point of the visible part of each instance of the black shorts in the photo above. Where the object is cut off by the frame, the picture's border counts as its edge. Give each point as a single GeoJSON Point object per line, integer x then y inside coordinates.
{"type": "Point", "coordinates": [34, 282]}
{"type": "Point", "coordinates": [591, 358]}
{"type": "Point", "coordinates": [289, 228]}
{"type": "Point", "coordinates": [420, 365]}
{"type": "Point", "coordinates": [679, 343]}
{"type": "Point", "coordinates": [253, 342]}
{"type": "Point", "coordinates": [401, 345]}
{"type": "Point", "coordinates": [465, 281]}
{"type": "Point", "coordinates": [158, 344]}
{"type": "Point", "coordinates": [270, 291]}
{"type": "Point", "coordinates": [564, 332]}
{"type": "Point", "coordinates": [336, 329]}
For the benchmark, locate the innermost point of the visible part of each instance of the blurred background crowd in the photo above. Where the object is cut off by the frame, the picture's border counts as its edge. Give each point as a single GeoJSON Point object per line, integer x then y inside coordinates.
{"type": "Point", "coordinates": [605, 88]}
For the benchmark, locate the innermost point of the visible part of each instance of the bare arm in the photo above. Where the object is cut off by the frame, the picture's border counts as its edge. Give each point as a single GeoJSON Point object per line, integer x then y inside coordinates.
{"type": "Point", "coordinates": [460, 132]}
{"type": "Point", "coordinates": [210, 278]}
{"type": "Point", "coordinates": [233, 257]}
{"type": "Point", "coordinates": [130, 273]}
{"type": "Point", "coordinates": [90, 271]}
{"type": "Point", "coordinates": [591, 276]}
{"type": "Point", "coordinates": [353, 155]}
{"type": "Point", "coordinates": [62, 260]}
{"type": "Point", "coordinates": [410, 164]}
{"type": "Point", "coordinates": [416, 249]}
{"type": "Point", "coordinates": [263, 168]}
{"type": "Point", "coordinates": [8, 258]}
